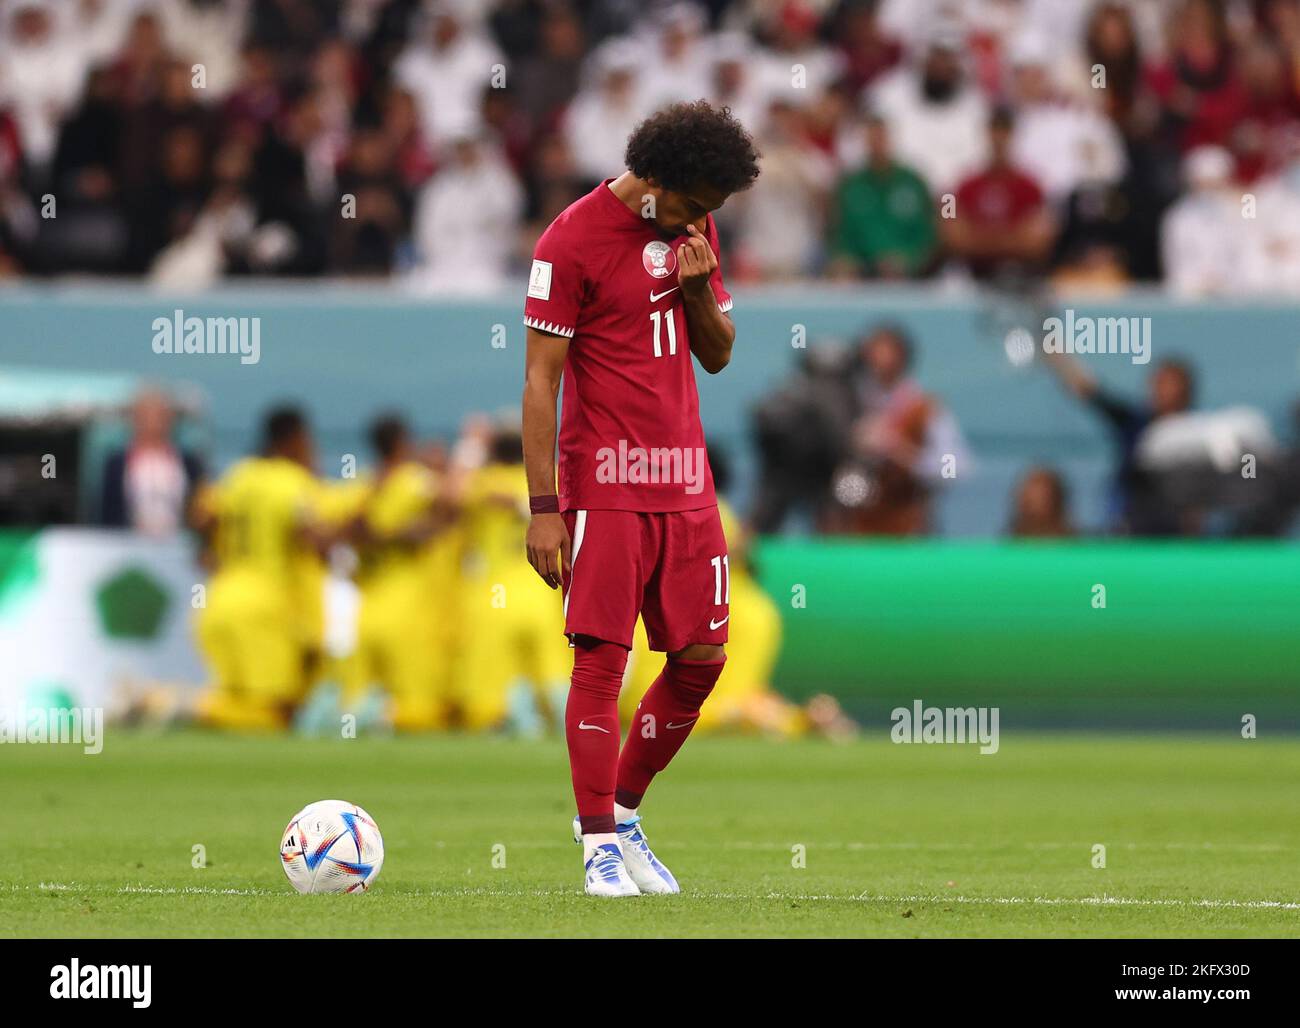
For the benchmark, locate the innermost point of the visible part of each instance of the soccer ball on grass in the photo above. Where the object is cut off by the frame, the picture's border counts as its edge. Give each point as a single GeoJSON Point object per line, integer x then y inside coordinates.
{"type": "Point", "coordinates": [332, 846]}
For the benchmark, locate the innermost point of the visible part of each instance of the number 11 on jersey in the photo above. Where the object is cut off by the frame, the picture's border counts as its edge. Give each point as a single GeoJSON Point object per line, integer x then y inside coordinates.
{"type": "Point", "coordinates": [664, 318]}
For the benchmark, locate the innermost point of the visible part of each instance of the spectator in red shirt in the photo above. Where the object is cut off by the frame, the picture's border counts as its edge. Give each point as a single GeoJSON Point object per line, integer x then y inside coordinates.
{"type": "Point", "coordinates": [1271, 115]}
{"type": "Point", "coordinates": [1001, 223]}
{"type": "Point", "coordinates": [1198, 85]}
{"type": "Point", "coordinates": [866, 49]}
{"type": "Point", "coordinates": [17, 214]}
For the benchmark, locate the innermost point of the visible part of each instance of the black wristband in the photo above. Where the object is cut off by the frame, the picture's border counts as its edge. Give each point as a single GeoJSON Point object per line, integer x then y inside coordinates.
{"type": "Point", "coordinates": [544, 504]}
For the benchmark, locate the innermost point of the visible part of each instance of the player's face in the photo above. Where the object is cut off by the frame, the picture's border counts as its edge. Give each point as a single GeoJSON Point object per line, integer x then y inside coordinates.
{"type": "Point", "coordinates": [152, 419]}
{"type": "Point", "coordinates": [302, 449]}
{"type": "Point", "coordinates": [403, 449]}
{"type": "Point", "coordinates": [886, 358]}
{"type": "Point", "coordinates": [1039, 497]}
{"type": "Point", "coordinates": [1170, 391]}
{"type": "Point", "coordinates": [675, 210]}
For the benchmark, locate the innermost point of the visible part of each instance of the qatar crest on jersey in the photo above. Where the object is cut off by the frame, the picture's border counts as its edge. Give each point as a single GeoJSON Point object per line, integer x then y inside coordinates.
{"type": "Point", "coordinates": [658, 259]}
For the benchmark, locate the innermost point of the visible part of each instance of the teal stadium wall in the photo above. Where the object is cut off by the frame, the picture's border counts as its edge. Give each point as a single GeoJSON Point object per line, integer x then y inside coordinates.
{"type": "Point", "coordinates": [1193, 635]}
{"type": "Point", "coordinates": [348, 351]}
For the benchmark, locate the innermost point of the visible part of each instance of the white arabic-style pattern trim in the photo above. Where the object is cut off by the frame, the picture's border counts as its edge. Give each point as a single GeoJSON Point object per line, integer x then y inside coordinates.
{"type": "Point", "coordinates": [549, 326]}
{"type": "Point", "coordinates": [725, 305]}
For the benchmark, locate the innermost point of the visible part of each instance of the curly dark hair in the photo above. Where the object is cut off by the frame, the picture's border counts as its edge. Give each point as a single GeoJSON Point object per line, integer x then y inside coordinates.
{"type": "Point", "coordinates": [686, 145]}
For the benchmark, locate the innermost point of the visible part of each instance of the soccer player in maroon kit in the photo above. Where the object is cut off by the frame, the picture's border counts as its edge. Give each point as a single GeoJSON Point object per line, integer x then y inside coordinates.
{"type": "Point", "coordinates": [625, 286]}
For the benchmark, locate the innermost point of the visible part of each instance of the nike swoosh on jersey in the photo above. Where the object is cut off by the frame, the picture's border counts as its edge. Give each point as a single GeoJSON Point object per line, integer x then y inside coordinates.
{"type": "Point", "coordinates": [714, 625]}
{"type": "Point", "coordinates": [684, 724]}
{"type": "Point", "coordinates": [591, 728]}
{"type": "Point", "coordinates": [659, 296]}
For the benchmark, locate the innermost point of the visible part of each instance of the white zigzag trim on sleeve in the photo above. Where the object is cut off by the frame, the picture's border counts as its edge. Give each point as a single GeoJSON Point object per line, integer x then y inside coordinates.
{"type": "Point", "coordinates": [549, 326]}
{"type": "Point", "coordinates": [725, 305]}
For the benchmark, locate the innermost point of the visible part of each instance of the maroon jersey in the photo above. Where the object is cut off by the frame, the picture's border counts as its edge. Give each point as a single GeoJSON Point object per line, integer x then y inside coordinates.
{"type": "Point", "coordinates": [630, 434]}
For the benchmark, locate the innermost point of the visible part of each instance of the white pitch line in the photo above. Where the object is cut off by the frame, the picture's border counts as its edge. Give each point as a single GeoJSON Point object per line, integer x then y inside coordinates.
{"type": "Point", "coordinates": [1092, 901]}
{"type": "Point", "coordinates": [143, 889]}
{"type": "Point", "coordinates": [938, 898]}
{"type": "Point", "coordinates": [938, 847]}
{"type": "Point", "coordinates": [1087, 901]}
{"type": "Point", "coordinates": [1103, 901]}
{"type": "Point", "coordinates": [194, 890]}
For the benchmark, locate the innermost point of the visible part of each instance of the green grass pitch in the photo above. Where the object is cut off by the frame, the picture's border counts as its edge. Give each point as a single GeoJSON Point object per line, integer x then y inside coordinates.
{"type": "Point", "coordinates": [1201, 838]}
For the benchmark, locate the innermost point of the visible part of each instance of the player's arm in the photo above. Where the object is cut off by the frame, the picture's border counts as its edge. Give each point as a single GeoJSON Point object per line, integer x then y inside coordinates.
{"type": "Point", "coordinates": [547, 540]}
{"type": "Point", "coordinates": [443, 504]}
{"type": "Point", "coordinates": [712, 332]}
{"type": "Point", "coordinates": [201, 514]}
{"type": "Point", "coordinates": [313, 533]}
{"type": "Point", "coordinates": [203, 520]}
{"type": "Point", "coordinates": [1073, 375]}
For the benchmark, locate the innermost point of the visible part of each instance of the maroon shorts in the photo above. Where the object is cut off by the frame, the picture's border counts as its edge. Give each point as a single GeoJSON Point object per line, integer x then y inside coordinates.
{"type": "Point", "coordinates": [672, 569]}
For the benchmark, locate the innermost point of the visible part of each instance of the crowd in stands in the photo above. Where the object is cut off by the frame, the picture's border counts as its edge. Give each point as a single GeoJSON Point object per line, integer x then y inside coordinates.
{"type": "Point", "coordinates": [853, 443]}
{"type": "Point", "coordinates": [1094, 144]}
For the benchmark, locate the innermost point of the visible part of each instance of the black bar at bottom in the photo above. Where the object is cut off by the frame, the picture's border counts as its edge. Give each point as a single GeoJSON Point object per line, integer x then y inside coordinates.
{"type": "Point", "coordinates": [369, 976]}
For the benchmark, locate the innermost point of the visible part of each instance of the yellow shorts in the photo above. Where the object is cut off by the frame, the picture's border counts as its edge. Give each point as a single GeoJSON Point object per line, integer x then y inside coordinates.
{"type": "Point", "coordinates": [398, 650]}
{"type": "Point", "coordinates": [251, 638]}
{"type": "Point", "coordinates": [513, 634]}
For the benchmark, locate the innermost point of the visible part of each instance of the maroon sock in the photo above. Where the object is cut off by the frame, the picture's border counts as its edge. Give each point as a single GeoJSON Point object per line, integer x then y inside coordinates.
{"type": "Point", "coordinates": [592, 729]}
{"type": "Point", "coordinates": [663, 720]}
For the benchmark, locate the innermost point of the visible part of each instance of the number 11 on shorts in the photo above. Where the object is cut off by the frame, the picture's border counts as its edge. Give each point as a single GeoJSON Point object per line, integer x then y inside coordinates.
{"type": "Point", "coordinates": [721, 579]}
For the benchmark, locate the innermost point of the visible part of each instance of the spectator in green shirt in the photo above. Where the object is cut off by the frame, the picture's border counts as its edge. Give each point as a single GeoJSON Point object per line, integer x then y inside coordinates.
{"type": "Point", "coordinates": [884, 219]}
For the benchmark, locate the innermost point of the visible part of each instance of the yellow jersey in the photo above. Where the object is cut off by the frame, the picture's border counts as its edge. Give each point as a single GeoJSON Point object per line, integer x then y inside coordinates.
{"type": "Point", "coordinates": [397, 503]}
{"type": "Point", "coordinates": [496, 518]}
{"type": "Point", "coordinates": [342, 499]}
{"type": "Point", "coordinates": [261, 506]}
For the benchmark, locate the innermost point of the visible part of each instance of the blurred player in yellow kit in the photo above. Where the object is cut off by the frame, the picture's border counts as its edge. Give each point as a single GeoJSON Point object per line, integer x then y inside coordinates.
{"type": "Point", "coordinates": [442, 563]}
{"type": "Point", "coordinates": [260, 627]}
{"type": "Point", "coordinates": [512, 665]}
{"type": "Point", "coordinates": [398, 643]}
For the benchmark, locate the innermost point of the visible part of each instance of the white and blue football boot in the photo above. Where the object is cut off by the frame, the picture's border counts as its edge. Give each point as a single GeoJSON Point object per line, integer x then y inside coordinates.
{"type": "Point", "coordinates": [607, 874]}
{"type": "Point", "coordinates": [645, 869]}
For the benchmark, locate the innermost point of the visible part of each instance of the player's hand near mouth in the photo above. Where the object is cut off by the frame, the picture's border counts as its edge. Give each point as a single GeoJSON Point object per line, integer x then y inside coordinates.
{"type": "Point", "coordinates": [696, 261]}
{"type": "Point", "coordinates": [711, 331]}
